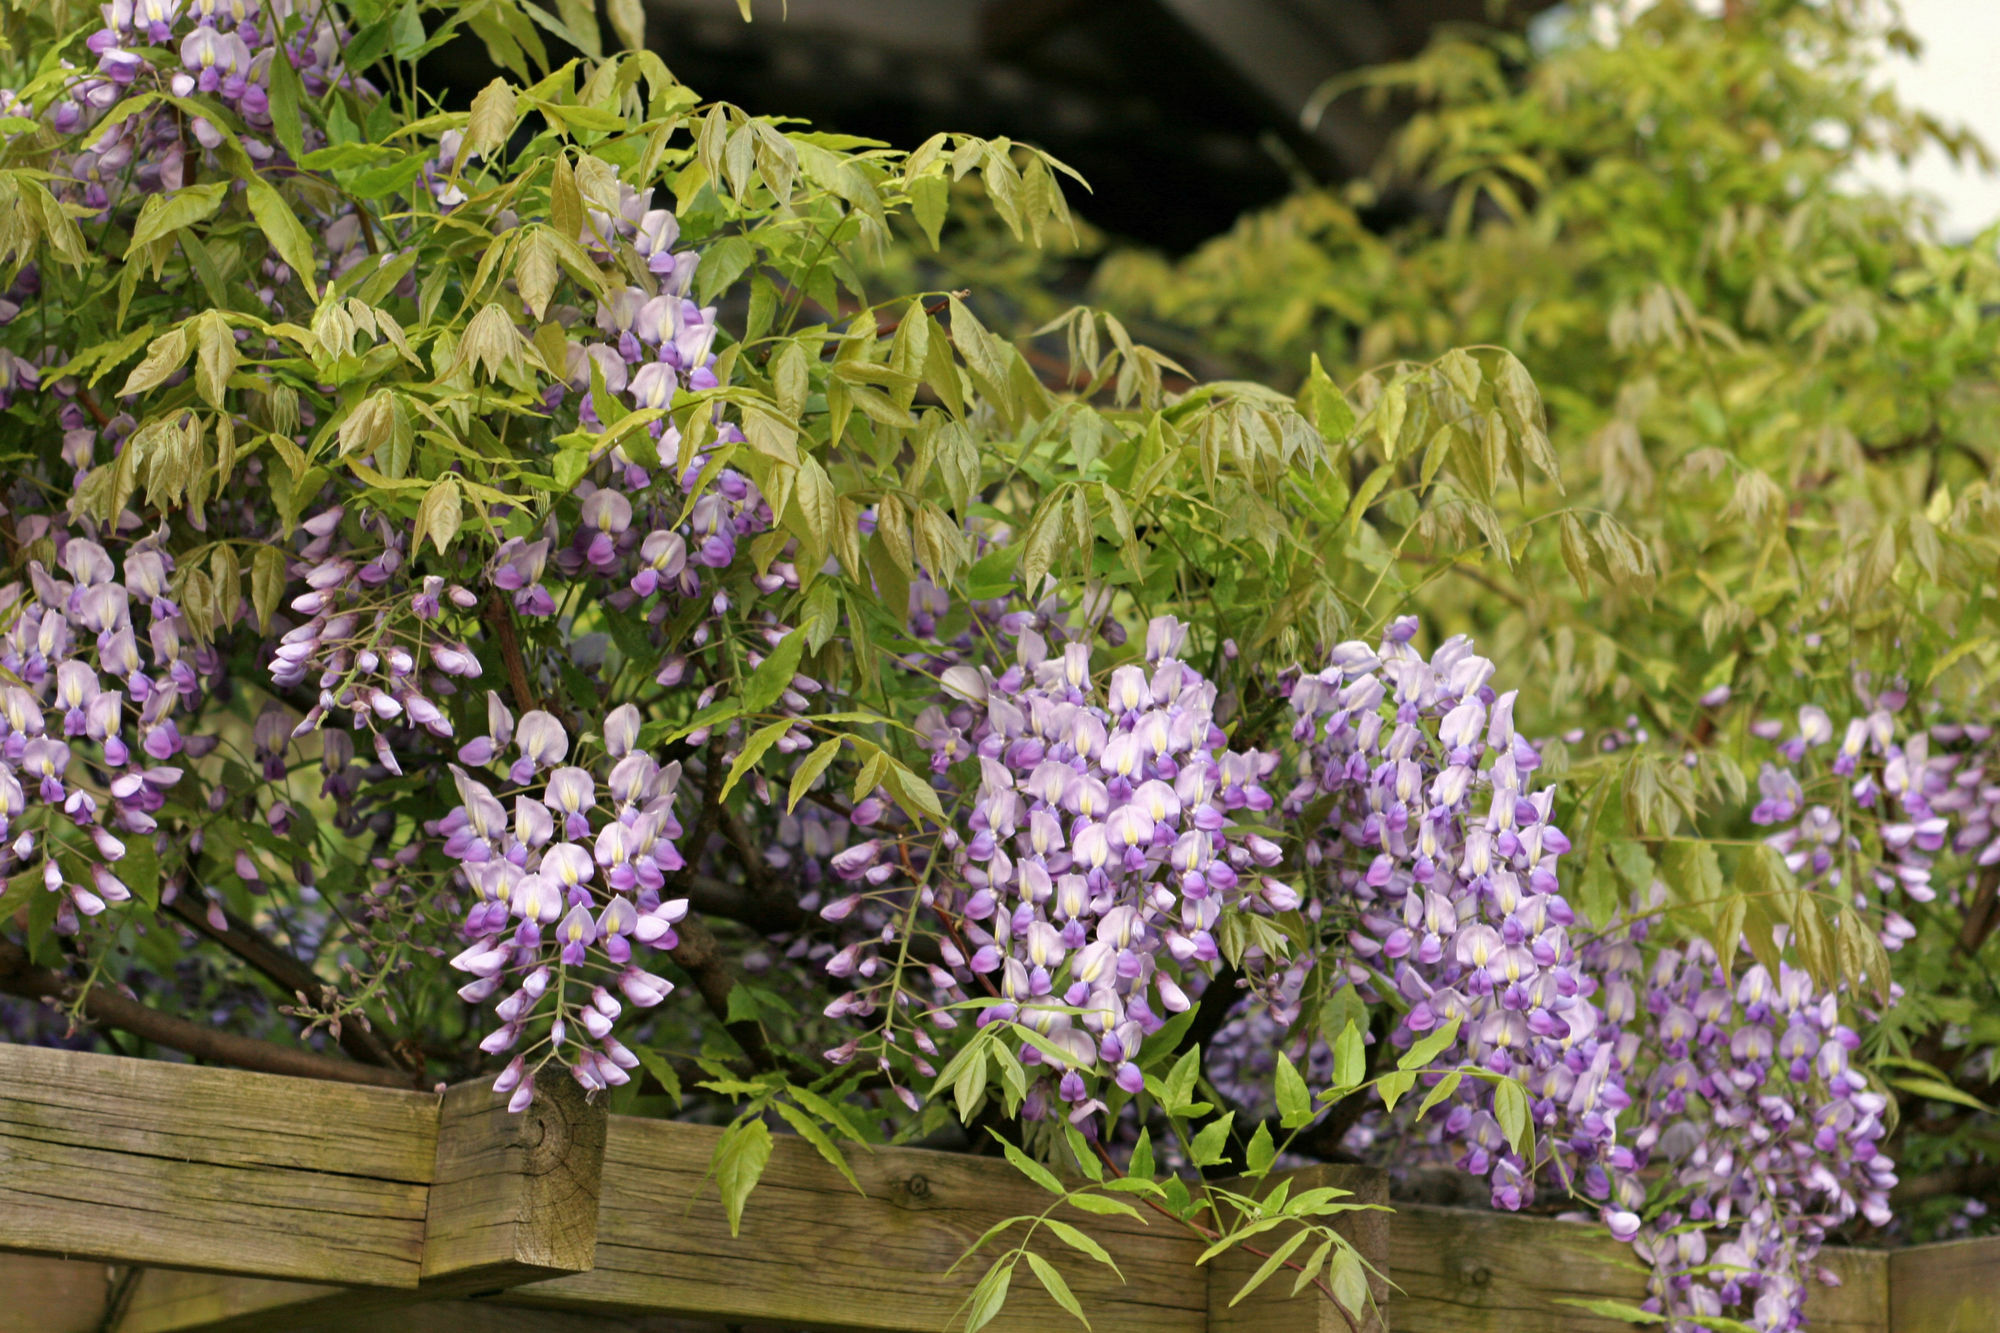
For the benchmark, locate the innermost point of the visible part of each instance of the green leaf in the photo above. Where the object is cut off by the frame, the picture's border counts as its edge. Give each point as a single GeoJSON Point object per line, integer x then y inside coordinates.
{"type": "Point", "coordinates": [1052, 1282]}
{"type": "Point", "coordinates": [1029, 1167]}
{"type": "Point", "coordinates": [491, 123]}
{"type": "Point", "coordinates": [1209, 1145]}
{"type": "Point", "coordinates": [281, 227]}
{"type": "Point", "coordinates": [1510, 1108]}
{"type": "Point", "coordinates": [439, 515]}
{"type": "Point", "coordinates": [814, 765]}
{"type": "Point", "coordinates": [1081, 1243]}
{"type": "Point", "coordinates": [1393, 1085]}
{"type": "Point", "coordinates": [774, 675]}
{"type": "Point", "coordinates": [1310, 1269]}
{"type": "Point", "coordinates": [1274, 1261]}
{"type": "Point", "coordinates": [817, 1137]}
{"type": "Point", "coordinates": [1622, 1311]}
{"type": "Point", "coordinates": [1939, 1091]}
{"type": "Point", "coordinates": [1097, 1203]}
{"type": "Point", "coordinates": [1079, 1148]}
{"type": "Point", "coordinates": [1179, 1085]}
{"type": "Point", "coordinates": [1444, 1088]}
{"type": "Point", "coordinates": [165, 214]}
{"type": "Point", "coordinates": [1428, 1047]}
{"type": "Point", "coordinates": [1142, 1157]}
{"type": "Point", "coordinates": [1350, 1058]}
{"type": "Point", "coordinates": [164, 355]}
{"type": "Point", "coordinates": [1349, 1282]}
{"type": "Point", "coordinates": [738, 1162]}
{"type": "Point", "coordinates": [286, 95]}
{"type": "Point", "coordinates": [721, 265]}
{"type": "Point", "coordinates": [968, 1090]}
{"type": "Point", "coordinates": [753, 749]}
{"type": "Point", "coordinates": [930, 196]}
{"type": "Point", "coordinates": [656, 1064]}
{"type": "Point", "coordinates": [991, 1293]}
{"type": "Point", "coordinates": [267, 583]}
{"type": "Point", "coordinates": [1295, 1108]}
{"type": "Point", "coordinates": [1261, 1152]}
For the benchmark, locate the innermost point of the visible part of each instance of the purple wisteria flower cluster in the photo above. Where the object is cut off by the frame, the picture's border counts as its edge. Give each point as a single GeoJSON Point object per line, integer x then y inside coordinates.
{"type": "Point", "coordinates": [370, 649]}
{"type": "Point", "coordinates": [222, 49]}
{"type": "Point", "coordinates": [103, 666]}
{"type": "Point", "coordinates": [1872, 814]}
{"type": "Point", "coordinates": [1447, 862]}
{"type": "Point", "coordinates": [1101, 850]}
{"type": "Point", "coordinates": [564, 887]}
{"type": "Point", "coordinates": [1769, 1136]}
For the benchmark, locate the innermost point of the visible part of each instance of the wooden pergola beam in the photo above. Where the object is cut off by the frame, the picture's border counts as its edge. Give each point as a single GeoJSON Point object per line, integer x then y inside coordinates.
{"type": "Point", "coordinates": [249, 1199]}
{"type": "Point", "coordinates": [318, 1206]}
{"type": "Point", "coordinates": [144, 1162]}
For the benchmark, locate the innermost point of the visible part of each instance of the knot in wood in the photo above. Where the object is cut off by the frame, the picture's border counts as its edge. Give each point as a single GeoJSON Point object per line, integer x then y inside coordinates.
{"type": "Point", "coordinates": [1472, 1273]}
{"type": "Point", "coordinates": [918, 1187]}
{"type": "Point", "coordinates": [549, 1126]}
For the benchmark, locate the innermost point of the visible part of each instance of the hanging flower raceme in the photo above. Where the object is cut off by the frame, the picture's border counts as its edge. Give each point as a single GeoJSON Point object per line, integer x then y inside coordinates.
{"type": "Point", "coordinates": [1445, 861]}
{"type": "Point", "coordinates": [1769, 1136]}
{"type": "Point", "coordinates": [1870, 804]}
{"type": "Point", "coordinates": [563, 887]}
{"type": "Point", "coordinates": [89, 743]}
{"type": "Point", "coordinates": [369, 647]}
{"type": "Point", "coordinates": [1101, 851]}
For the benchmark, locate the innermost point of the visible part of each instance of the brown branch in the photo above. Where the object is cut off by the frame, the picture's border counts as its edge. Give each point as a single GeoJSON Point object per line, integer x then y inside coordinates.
{"type": "Point", "coordinates": [500, 616]}
{"type": "Point", "coordinates": [762, 881]}
{"type": "Point", "coordinates": [1982, 914]}
{"type": "Point", "coordinates": [1212, 1009]}
{"type": "Point", "coordinates": [700, 953]}
{"type": "Point", "coordinates": [289, 974]}
{"type": "Point", "coordinates": [89, 403]}
{"type": "Point", "coordinates": [105, 1005]}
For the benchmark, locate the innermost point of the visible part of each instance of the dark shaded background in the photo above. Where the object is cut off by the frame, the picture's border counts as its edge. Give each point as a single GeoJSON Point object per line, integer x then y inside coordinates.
{"type": "Point", "coordinates": [1181, 114]}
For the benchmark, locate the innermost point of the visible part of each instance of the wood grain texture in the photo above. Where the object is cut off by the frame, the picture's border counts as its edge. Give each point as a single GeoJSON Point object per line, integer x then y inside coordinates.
{"type": "Point", "coordinates": [815, 1254]}
{"type": "Point", "coordinates": [513, 1197]}
{"type": "Point", "coordinates": [1464, 1271]}
{"type": "Point", "coordinates": [510, 1198]}
{"type": "Point", "coordinates": [1272, 1308]}
{"type": "Point", "coordinates": [51, 1295]}
{"type": "Point", "coordinates": [1953, 1287]}
{"type": "Point", "coordinates": [144, 1162]}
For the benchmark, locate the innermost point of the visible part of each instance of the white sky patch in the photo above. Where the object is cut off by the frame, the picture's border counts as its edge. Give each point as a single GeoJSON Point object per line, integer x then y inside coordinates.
{"type": "Point", "coordinates": [1956, 78]}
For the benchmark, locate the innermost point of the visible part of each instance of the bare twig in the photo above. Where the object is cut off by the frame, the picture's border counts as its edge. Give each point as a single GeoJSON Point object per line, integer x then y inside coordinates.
{"type": "Point", "coordinates": [20, 976]}
{"type": "Point", "coordinates": [288, 973]}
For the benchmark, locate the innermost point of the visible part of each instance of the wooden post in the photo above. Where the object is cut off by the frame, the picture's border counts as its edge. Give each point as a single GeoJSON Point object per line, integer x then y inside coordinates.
{"type": "Point", "coordinates": [40, 1295]}
{"type": "Point", "coordinates": [1272, 1308]}
{"type": "Point", "coordinates": [514, 1197]}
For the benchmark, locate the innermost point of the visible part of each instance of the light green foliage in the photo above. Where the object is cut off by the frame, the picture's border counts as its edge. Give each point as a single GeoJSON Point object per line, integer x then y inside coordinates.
{"type": "Point", "coordinates": [1772, 406]}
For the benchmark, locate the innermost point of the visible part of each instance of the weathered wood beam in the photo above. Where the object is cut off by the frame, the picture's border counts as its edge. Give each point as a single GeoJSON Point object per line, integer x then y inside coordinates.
{"type": "Point", "coordinates": [1953, 1287]}
{"type": "Point", "coordinates": [1462, 1271]}
{"type": "Point", "coordinates": [875, 1262]}
{"type": "Point", "coordinates": [510, 1199]}
{"type": "Point", "coordinates": [144, 1162]}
